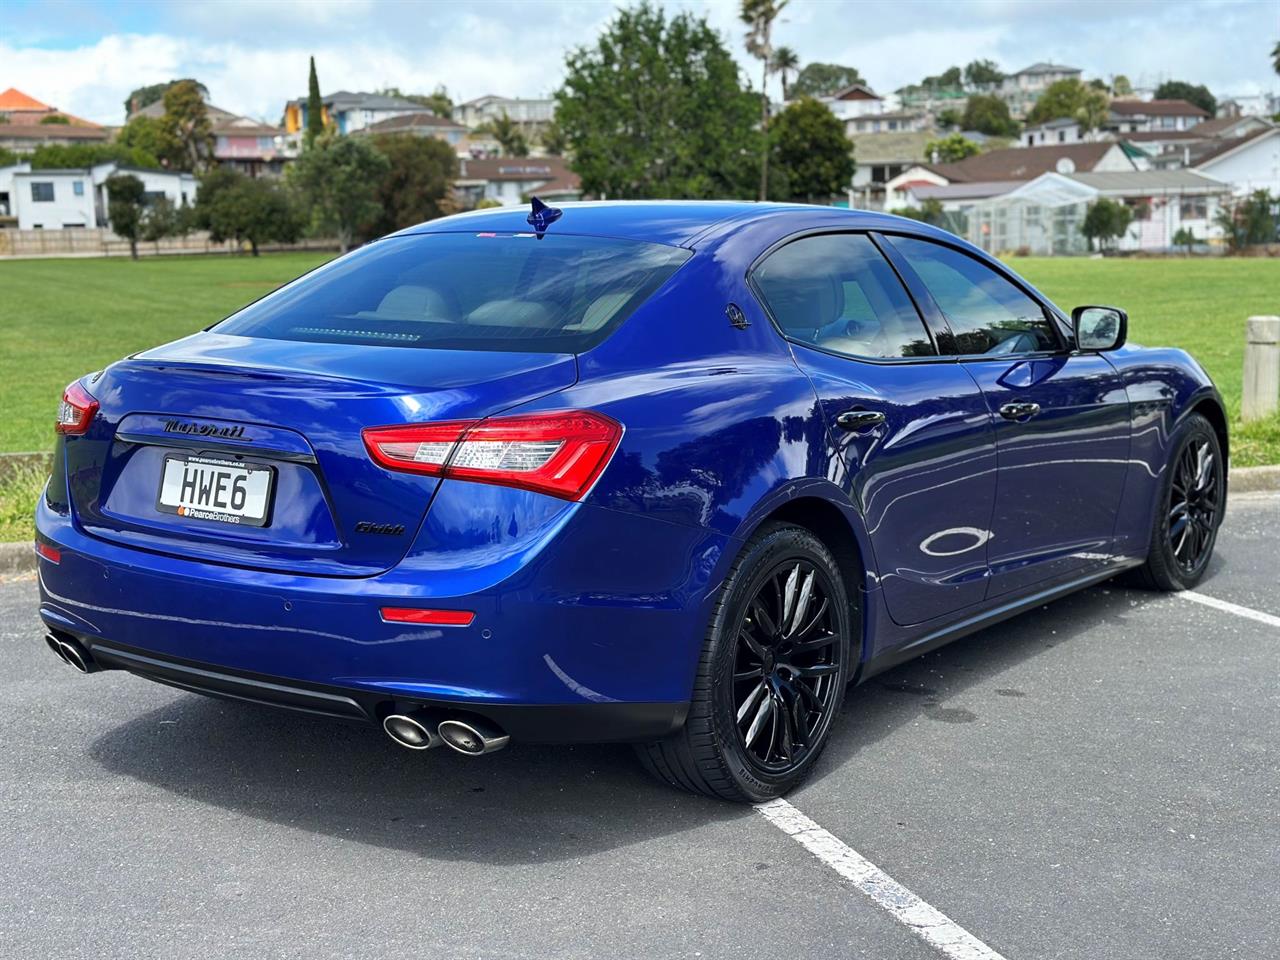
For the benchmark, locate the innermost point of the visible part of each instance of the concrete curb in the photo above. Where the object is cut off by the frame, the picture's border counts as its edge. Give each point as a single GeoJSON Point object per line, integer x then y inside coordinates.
{"type": "Point", "coordinates": [21, 557]}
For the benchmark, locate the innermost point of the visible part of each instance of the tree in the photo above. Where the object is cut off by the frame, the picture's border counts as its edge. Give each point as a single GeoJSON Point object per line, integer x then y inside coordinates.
{"type": "Point", "coordinates": [951, 77]}
{"type": "Point", "coordinates": [154, 93]}
{"type": "Point", "coordinates": [982, 73]}
{"type": "Point", "coordinates": [151, 136]}
{"type": "Point", "coordinates": [186, 124]}
{"type": "Point", "coordinates": [437, 101]}
{"type": "Point", "coordinates": [1105, 221]}
{"type": "Point", "coordinates": [162, 219]}
{"type": "Point", "coordinates": [553, 139]}
{"type": "Point", "coordinates": [929, 212]}
{"type": "Point", "coordinates": [1072, 99]}
{"type": "Point", "coordinates": [124, 208]}
{"type": "Point", "coordinates": [1184, 237]}
{"type": "Point", "coordinates": [1120, 86]}
{"type": "Point", "coordinates": [950, 119]}
{"type": "Point", "coordinates": [759, 16]}
{"type": "Point", "coordinates": [509, 136]}
{"type": "Point", "coordinates": [655, 109]}
{"type": "Point", "coordinates": [338, 178]}
{"type": "Point", "coordinates": [1249, 220]}
{"type": "Point", "coordinates": [69, 156]}
{"type": "Point", "coordinates": [1275, 57]}
{"type": "Point", "coordinates": [55, 118]}
{"type": "Point", "coordinates": [785, 62]}
{"type": "Point", "coordinates": [824, 79]}
{"type": "Point", "coordinates": [989, 115]}
{"type": "Point", "coordinates": [1181, 90]}
{"type": "Point", "coordinates": [417, 184]}
{"type": "Point", "coordinates": [950, 149]}
{"type": "Point", "coordinates": [813, 159]}
{"type": "Point", "coordinates": [315, 106]}
{"type": "Point", "coordinates": [248, 210]}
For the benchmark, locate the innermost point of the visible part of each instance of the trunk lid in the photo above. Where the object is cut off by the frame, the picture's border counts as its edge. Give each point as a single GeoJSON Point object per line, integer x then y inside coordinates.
{"type": "Point", "coordinates": [297, 409]}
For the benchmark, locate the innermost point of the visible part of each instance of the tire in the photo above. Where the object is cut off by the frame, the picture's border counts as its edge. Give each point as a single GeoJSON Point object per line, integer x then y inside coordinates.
{"type": "Point", "coordinates": [1173, 543]}
{"type": "Point", "coordinates": [711, 754]}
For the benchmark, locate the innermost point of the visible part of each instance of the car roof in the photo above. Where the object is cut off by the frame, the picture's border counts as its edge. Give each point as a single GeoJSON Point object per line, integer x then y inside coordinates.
{"type": "Point", "coordinates": [677, 222]}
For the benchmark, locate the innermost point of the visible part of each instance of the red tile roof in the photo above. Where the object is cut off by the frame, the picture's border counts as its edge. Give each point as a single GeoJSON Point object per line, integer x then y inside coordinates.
{"type": "Point", "coordinates": [15, 99]}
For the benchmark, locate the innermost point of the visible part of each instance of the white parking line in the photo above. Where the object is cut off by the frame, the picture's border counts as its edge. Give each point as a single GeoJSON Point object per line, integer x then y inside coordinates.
{"type": "Point", "coordinates": [1248, 612]}
{"type": "Point", "coordinates": [928, 923]}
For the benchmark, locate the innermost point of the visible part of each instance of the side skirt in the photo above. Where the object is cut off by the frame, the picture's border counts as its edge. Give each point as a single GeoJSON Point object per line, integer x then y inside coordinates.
{"type": "Point", "coordinates": [963, 628]}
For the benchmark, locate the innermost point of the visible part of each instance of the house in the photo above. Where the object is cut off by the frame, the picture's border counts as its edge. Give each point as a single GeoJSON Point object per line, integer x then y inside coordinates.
{"type": "Point", "coordinates": [21, 109]}
{"type": "Point", "coordinates": [241, 143]}
{"type": "Point", "coordinates": [896, 121]}
{"type": "Point", "coordinates": [420, 125]}
{"type": "Point", "coordinates": [530, 114]}
{"type": "Point", "coordinates": [64, 199]}
{"type": "Point", "coordinates": [1021, 90]}
{"type": "Point", "coordinates": [1061, 130]}
{"type": "Point", "coordinates": [8, 218]}
{"type": "Point", "coordinates": [1045, 215]}
{"type": "Point", "coordinates": [511, 180]}
{"type": "Point", "coordinates": [1012, 166]}
{"type": "Point", "coordinates": [1142, 116]}
{"type": "Point", "coordinates": [349, 112]}
{"type": "Point", "coordinates": [881, 157]}
{"type": "Point", "coordinates": [26, 137]}
{"type": "Point", "coordinates": [855, 100]}
{"type": "Point", "coordinates": [1247, 163]}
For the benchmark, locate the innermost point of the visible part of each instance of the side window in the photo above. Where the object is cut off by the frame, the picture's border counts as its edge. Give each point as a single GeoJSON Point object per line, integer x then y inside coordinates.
{"type": "Point", "coordinates": [837, 292]}
{"type": "Point", "coordinates": [987, 313]}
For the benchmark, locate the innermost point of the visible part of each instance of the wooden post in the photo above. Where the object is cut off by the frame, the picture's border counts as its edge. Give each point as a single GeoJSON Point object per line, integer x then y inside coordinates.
{"type": "Point", "coordinates": [1261, 368]}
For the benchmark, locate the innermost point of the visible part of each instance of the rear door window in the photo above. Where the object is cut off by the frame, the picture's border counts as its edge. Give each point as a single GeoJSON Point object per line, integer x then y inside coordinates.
{"type": "Point", "coordinates": [481, 291]}
{"type": "Point", "coordinates": [836, 292]}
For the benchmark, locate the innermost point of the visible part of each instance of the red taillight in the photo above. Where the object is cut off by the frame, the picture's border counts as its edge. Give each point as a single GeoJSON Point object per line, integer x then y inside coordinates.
{"type": "Point", "coordinates": [560, 454]}
{"type": "Point", "coordinates": [76, 411]}
{"type": "Point", "coordinates": [438, 618]}
{"type": "Point", "coordinates": [48, 551]}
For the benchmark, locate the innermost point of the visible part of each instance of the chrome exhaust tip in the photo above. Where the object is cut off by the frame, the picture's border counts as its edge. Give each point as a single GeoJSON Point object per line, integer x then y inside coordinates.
{"type": "Point", "coordinates": [55, 645]}
{"type": "Point", "coordinates": [472, 737]}
{"type": "Point", "coordinates": [411, 732]}
{"type": "Point", "coordinates": [72, 653]}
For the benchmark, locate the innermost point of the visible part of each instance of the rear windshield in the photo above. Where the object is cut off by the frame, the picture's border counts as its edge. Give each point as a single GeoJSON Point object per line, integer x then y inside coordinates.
{"type": "Point", "coordinates": [467, 291]}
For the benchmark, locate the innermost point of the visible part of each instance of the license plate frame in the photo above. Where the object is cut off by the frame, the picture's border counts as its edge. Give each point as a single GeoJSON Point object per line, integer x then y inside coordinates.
{"type": "Point", "coordinates": [225, 516]}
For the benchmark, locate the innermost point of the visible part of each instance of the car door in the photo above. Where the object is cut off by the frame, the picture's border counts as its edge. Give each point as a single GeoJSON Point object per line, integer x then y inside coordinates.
{"type": "Point", "coordinates": [1061, 418]}
{"type": "Point", "coordinates": [910, 428]}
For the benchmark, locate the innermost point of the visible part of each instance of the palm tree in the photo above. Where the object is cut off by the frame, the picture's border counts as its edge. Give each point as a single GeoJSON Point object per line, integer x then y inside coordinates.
{"type": "Point", "coordinates": [1275, 56]}
{"type": "Point", "coordinates": [785, 61]}
{"type": "Point", "coordinates": [759, 16]}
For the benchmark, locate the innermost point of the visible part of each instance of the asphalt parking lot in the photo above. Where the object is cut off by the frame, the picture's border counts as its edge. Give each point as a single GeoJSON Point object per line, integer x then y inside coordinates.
{"type": "Point", "coordinates": [1098, 779]}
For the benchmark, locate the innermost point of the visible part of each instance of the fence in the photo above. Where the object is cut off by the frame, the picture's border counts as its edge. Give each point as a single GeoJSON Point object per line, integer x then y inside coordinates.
{"type": "Point", "coordinates": [100, 242]}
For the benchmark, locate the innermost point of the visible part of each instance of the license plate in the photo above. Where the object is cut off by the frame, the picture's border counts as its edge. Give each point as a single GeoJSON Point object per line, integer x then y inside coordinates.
{"type": "Point", "coordinates": [207, 488]}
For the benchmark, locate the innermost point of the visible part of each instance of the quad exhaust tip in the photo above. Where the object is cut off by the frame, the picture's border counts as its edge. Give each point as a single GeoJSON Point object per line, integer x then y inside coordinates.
{"type": "Point", "coordinates": [472, 737]}
{"type": "Point", "coordinates": [70, 652]}
{"type": "Point", "coordinates": [411, 732]}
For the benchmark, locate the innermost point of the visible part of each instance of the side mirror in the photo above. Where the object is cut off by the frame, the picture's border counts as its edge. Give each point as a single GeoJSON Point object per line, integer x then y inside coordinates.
{"type": "Point", "coordinates": [1099, 328]}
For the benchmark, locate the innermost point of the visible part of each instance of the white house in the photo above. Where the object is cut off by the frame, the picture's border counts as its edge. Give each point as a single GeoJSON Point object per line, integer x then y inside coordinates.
{"type": "Point", "coordinates": [855, 100]}
{"type": "Point", "coordinates": [1247, 163]}
{"type": "Point", "coordinates": [6, 189]}
{"type": "Point", "coordinates": [527, 112]}
{"type": "Point", "coordinates": [1022, 89]}
{"type": "Point", "coordinates": [64, 199]}
{"type": "Point", "coordinates": [896, 121]}
{"type": "Point", "coordinates": [1140, 116]}
{"type": "Point", "coordinates": [1061, 130]}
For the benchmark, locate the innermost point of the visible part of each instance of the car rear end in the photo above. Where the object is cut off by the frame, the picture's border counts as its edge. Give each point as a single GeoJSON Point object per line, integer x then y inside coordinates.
{"type": "Point", "coordinates": [365, 496]}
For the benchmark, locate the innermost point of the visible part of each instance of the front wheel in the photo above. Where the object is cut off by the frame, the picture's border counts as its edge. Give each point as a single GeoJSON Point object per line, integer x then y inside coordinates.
{"type": "Point", "coordinates": [771, 677]}
{"type": "Point", "coordinates": [1189, 509]}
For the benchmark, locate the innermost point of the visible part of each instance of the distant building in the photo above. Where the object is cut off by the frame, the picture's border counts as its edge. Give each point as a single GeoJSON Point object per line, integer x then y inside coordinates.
{"type": "Point", "coordinates": [881, 157]}
{"type": "Point", "coordinates": [530, 114]}
{"type": "Point", "coordinates": [26, 123]}
{"type": "Point", "coordinates": [1144, 116]}
{"type": "Point", "coordinates": [65, 199]}
{"type": "Point", "coordinates": [420, 125]}
{"type": "Point", "coordinates": [1008, 168]}
{"type": "Point", "coordinates": [1021, 90]}
{"type": "Point", "coordinates": [1061, 130]}
{"type": "Point", "coordinates": [349, 112]}
{"type": "Point", "coordinates": [511, 180]}
{"type": "Point", "coordinates": [897, 121]}
{"type": "Point", "coordinates": [241, 143]}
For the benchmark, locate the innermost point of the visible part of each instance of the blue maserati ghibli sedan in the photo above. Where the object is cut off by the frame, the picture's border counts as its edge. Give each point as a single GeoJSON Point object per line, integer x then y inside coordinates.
{"type": "Point", "coordinates": [671, 473]}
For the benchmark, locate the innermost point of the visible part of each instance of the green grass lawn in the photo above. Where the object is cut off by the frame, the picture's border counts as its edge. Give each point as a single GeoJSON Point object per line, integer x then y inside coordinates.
{"type": "Point", "coordinates": [1198, 304]}
{"type": "Point", "coordinates": [62, 318]}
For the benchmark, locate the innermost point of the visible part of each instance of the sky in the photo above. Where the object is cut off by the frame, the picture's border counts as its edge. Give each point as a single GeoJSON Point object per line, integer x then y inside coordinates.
{"type": "Point", "coordinates": [85, 57]}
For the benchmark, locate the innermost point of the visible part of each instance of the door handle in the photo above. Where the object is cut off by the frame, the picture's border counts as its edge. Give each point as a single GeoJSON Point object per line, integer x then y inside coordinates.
{"type": "Point", "coordinates": [1019, 411]}
{"type": "Point", "coordinates": [852, 420]}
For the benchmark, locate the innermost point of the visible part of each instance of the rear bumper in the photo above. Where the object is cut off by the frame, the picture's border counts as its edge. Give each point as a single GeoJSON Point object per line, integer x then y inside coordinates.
{"type": "Point", "coordinates": [596, 638]}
